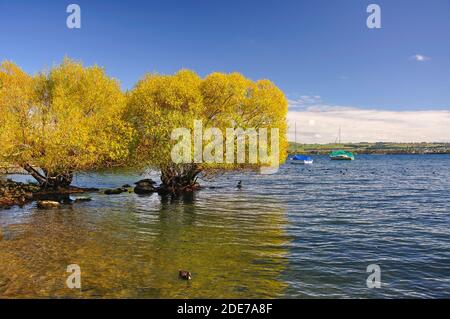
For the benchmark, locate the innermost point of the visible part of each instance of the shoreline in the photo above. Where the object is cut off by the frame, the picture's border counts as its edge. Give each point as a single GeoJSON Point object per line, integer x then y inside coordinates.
{"type": "Point", "coordinates": [14, 193]}
{"type": "Point", "coordinates": [379, 148]}
{"type": "Point", "coordinates": [367, 152]}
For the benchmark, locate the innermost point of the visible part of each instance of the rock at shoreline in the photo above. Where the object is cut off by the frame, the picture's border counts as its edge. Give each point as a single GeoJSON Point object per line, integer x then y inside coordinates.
{"type": "Point", "coordinates": [91, 190]}
{"type": "Point", "coordinates": [145, 186]}
{"type": "Point", "coordinates": [145, 182]}
{"type": "Point", "coordinates": [6, 202]}
{"type": "Point", "coordinates": [115, 191]}
{"type": "Point", "coordinates": [142, 190]}
{"type": "Point", "coordinates": [48, 204]}
{"type": "Point", "coordinates": [15, 193]}
{"type": "Point", "coordinates": [82, 199]}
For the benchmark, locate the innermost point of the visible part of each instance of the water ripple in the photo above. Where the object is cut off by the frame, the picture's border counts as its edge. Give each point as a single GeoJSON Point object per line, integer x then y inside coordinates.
{"type": "Point", "coordinates": [306, 232]}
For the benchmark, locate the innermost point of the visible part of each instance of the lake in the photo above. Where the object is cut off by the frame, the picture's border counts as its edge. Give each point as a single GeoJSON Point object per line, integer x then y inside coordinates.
{"type": "Point", "coordinates": [306, 232]}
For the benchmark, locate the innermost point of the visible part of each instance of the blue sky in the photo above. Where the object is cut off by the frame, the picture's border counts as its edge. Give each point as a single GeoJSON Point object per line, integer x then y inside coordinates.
{"type": "Point", "coordinates": [319, 52]}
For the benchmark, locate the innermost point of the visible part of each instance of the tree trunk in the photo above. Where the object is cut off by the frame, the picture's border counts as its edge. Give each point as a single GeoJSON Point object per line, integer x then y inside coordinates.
{"type": "Point", "coordinates": [58, 180]}
{"type": "Point", "coordinates": [35, 174]}
{"type": "Point", "coordinates": [50, 179]}
{"type": "Point", "coordinates": [180, 178]}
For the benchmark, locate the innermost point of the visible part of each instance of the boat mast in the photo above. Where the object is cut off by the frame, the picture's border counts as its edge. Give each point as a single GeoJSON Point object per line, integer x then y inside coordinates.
{"type": "Point", "coordinates": [295, 138]}
{"type": "Point", "coordinates": [339, 142]}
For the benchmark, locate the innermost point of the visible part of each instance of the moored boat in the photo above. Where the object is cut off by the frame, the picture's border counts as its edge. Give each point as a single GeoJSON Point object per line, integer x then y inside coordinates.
{"type": "Point", "coordinates": [342, 155]}
{"type": "Point", "coordinates": [301, 159]}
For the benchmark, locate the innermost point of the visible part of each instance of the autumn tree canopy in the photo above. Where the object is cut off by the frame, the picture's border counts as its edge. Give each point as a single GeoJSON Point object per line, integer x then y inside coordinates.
{"type": "Point", "coordinates": [73, 118]}
{"type": "Point", "coordinates": [62, 121]}
{"type": "Point", "coordinates": [159, 104]}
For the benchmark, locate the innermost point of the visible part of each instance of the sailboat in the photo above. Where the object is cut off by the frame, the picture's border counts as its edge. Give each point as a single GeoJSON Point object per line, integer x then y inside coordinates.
{"type": "Point", "coordinates": [341, 155]}
{"type": "Point", "coordinates": [300, 159]}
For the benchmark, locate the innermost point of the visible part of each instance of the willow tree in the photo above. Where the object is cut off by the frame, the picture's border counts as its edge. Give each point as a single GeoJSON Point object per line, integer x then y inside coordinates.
{"type": "Point", "coordinates": [161, 104]}
{"type": "Point", "coordinates": [62, 121]}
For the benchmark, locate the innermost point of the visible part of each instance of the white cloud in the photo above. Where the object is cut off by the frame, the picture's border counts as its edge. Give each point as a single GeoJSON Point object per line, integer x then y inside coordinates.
{"type": "Point", "coordinates": [420, 58]}
{"type": "Point", "coordinates": [305, 101]}
{"type": "Point", "coordinates": [365, 125]}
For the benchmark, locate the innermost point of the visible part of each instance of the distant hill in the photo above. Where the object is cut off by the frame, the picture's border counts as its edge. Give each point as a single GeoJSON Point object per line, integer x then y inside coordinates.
{"type": "Point", "coordinates": [372, 148]}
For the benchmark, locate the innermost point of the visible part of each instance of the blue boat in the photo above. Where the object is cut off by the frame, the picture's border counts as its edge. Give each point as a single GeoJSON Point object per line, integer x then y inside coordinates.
{"type": "Point", "coordinates": [301, 159]}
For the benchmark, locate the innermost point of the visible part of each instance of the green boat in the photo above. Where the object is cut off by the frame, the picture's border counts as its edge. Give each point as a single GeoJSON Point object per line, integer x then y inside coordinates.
{"type": "Point", "coordinates": [342, 155]}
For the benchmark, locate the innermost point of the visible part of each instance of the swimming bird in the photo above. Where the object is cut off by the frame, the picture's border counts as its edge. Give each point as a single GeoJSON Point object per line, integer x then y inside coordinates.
{"type": "Point", "coordinates": [183, 274]}
{"type": "Point", "coordinates": [239, 185]}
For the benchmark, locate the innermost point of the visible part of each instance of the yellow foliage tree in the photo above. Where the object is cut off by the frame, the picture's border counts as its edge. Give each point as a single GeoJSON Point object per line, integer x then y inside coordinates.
{"type": "Point", "coordinates": [159, 104]}
{"type": "Point", "coordinates": [74, 118]}
{"type": "Point", "coordinates": [63, 121]}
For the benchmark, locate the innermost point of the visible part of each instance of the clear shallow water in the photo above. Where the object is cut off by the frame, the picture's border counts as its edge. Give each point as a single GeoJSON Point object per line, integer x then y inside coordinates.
{"type": "Point", "coordinates": [308, 231]}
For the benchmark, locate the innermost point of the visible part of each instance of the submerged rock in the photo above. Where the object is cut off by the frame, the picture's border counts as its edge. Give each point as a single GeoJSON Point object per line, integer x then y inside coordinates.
{"type": "Point", "coordinates": [82, 199]}
{"type": "Point", "coordinates": [115, 191]}
{"type": "Point", "coordinates": [91, 190]}
{"type": "Point", "coordinates": [148, 189]}
{"type": "Point", "coordinates": [145, 186]}
{"type": "Point", "coordinates": [145, 182]}
{"type": "Point", "coordinates": [48, 204]}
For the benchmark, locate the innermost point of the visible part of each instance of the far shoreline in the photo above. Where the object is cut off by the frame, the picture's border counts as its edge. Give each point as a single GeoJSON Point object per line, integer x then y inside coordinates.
{"type": "Point", "coordinates": [380, 148]}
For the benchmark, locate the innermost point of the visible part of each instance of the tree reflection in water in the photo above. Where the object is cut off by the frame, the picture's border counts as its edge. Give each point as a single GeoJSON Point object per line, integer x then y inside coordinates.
{"type": "Point", "coordinates": [128, 246]}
